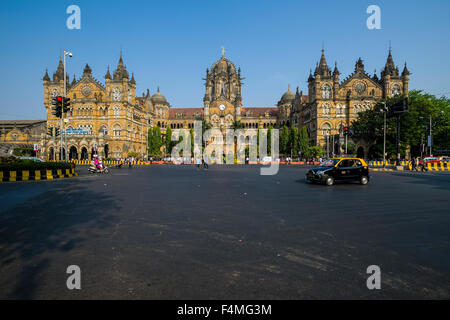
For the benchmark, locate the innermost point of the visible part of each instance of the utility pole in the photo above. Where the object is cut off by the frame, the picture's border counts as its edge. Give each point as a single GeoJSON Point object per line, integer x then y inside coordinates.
{"type": "Point", "coordinates": [62, 111]}
{"type": "Point", "coordinates": [384, 110]}
{"type": "Point", "coordinates": [431, 136]}
{"type": "Point", "coordinates": [398, 140]}
{"type": "Point", "coordinates": [63, 104]}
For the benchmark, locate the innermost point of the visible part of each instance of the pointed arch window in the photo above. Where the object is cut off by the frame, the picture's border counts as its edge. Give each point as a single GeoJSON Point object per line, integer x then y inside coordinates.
{"type": "Point", "coordinates": [326, 91]}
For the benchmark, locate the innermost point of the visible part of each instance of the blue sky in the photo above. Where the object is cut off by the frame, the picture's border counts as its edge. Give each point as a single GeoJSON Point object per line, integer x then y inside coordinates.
{"type": "Point", "coordinates": [171, 43]}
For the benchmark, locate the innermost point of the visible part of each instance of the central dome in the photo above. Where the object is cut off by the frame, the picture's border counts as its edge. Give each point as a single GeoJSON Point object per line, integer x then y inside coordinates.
{"type": "Point", "coordinates": [223, 65]}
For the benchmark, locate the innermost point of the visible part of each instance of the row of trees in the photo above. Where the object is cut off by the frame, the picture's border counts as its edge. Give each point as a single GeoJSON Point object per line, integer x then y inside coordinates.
{"type": "Point", "coordinates": [293, 142]}
{"type": "Point", "coordinates": [414, 126]}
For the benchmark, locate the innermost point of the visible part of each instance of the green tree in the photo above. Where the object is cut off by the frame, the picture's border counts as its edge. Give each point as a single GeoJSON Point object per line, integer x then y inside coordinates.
{"type": "Point", "coordinates": [154, 141]}
{"type": "Point", "coordinates": [414, 125]}
{"type": "Point", "coordinates": [314, 152]}
{"type": "Point", "coordinates": [293, 141]}
{"type": "Point", "coordinates": [269, 139]}
{"type": "Point", "coordinates": [284, 140]}
{"type": "Point", "coordinates": [237, 125]}
{"type": "Point", "coordinates": [303, 141]}
{"type": "Point", "coordinates": [191, 135]}
{"type": "Point", "coordinates": [168, 142]}
{"type": "Point", "coordinates": [351, 148]}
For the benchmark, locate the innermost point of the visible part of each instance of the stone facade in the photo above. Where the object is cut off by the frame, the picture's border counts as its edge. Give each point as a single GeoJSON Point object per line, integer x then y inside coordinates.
{"type": "Point", "coordinates": [332, 104]}
{"type": "Point", "coordinates": [117, 121]}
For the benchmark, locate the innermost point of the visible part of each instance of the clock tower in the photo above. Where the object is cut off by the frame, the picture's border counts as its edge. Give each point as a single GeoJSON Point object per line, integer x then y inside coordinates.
{"type": "Point", "coordinates": [222, 100]}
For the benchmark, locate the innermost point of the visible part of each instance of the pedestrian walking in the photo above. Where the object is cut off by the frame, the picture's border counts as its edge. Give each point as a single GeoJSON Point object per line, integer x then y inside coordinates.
{"type": "Point", "coordinates": [205, 163]}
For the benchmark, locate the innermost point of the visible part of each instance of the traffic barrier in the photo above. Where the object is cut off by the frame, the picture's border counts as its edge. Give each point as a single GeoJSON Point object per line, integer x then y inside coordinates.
{"type": "Point", "coordinates": [378, 163]}
{"type": "Point", "coordinates": [443, 166]}
{"type": "Point", "coordinates": [25, 175]}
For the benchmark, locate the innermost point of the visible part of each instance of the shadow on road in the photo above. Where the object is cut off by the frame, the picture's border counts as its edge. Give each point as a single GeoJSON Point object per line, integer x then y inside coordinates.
{"type": "Point", "coordinates": [29, 238]}
{"type": "Point", "coordinates": [436, 181]}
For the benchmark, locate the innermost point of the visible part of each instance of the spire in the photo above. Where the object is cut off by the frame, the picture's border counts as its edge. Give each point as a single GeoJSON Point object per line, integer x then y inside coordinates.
{"type": "Point", "coordinates": [87, 71]}
{"type": "Point", "coordinates": [405, 71]}
{"type": "Point", "coordinates": [223, 52]}
{"type": "Point", "coordinates": [59, 74]}
{"type": "Point", "coordinates": [289, 87]}
{"type": "Point", "coordinates": [46, 77]}
{"type": "Point", "coordinates": [148, 93]}
{"type": "Point", "coordinates": [322, 67]}
{"type": "Point", "coordinates": [375, 77]}
{"type": "Point", "coordinates": [359, 66]}
{"type": "Point", "coordinates": [323, 62]}
{"type": "Point", "coordinates": [157, 90]}
{"type": "Point", "coordinates": [132, 81]}
{"type": "Point", "coordinates": [121, 71]}
{"type": "Point", "coordinates": [74, 81]}
{"type": "Point", "coordinates": [310, 78]}
{"type": "Point", "coordinates": [335, 71]}
{"type": "Point", "coordinates": [389, 68]}
{"type": "Point", "coordinates": [108, 75]}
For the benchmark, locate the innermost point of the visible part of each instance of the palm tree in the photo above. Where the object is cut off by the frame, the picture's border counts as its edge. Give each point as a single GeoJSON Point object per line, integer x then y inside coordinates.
{"type": "Point", "coordinates": [237, 125]}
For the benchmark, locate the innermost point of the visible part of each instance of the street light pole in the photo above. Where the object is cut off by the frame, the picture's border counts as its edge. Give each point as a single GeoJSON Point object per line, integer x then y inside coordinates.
{"type": "Point", "coordinates": [63, 102]}
{"type": "Point", "coordinates": [431, 136]}
{"type": "Point", "coordinates": [384, 133]}
{"type": "Point", "coordinates": [62, 112]}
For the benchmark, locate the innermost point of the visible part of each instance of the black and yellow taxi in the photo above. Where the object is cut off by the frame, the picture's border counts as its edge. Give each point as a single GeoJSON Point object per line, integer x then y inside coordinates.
{"type": "Point", "coordinates": [340, 169]}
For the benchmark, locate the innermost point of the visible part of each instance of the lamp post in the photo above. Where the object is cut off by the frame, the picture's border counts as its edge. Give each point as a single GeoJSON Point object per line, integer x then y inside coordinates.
{"type": "Point", "coordinates": [384, 110]}
{"type": "Point", "coordinates": [430, 137]}
{"type": "Point", "coordinates": [66, 53]}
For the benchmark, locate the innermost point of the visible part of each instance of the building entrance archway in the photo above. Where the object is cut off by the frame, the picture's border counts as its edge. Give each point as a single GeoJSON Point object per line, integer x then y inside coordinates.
{"type": "Point", "coordinates": [73, 153]}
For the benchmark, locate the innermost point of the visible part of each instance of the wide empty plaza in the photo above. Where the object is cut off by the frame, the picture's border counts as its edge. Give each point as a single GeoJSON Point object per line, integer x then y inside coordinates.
{"type": "Point", "coordinates": [174, 232]}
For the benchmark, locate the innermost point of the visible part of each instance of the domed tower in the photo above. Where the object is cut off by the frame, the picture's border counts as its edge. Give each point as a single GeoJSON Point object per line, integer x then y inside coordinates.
{"type": "Point", "coordinates": [161, 108]}
{"type": "Point", "coordinates": [285, 107]}
{"type": "Point", "coordinates": [222, 100]}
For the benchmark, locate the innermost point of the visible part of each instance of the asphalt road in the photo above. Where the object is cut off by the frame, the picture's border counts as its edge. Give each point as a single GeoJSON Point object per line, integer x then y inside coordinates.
{"type": "Point", "coordinates": [172, 232]}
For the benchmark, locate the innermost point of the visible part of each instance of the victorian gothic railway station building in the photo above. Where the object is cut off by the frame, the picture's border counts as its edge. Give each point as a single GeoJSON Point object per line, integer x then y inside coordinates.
{"type": "Point", "coordinates": [115, 121]}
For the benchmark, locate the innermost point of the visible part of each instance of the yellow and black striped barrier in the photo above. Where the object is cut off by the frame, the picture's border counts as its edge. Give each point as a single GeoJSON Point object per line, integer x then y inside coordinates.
{"type": "Point", "coordinates": [381, 169]}
{"type": "Point", "coordinates": [443, 166]}
{"type": "Point", "coordinates": [26, 175]}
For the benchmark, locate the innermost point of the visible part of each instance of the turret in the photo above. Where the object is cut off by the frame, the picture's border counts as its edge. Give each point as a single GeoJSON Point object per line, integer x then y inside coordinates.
{"type": "Point", "coordinates": [405, 80]}
{"type": "Point", "coordinates": [46, 77]}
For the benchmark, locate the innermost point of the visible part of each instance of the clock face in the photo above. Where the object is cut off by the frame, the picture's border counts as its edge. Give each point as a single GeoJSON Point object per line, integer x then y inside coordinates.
{"type": "Point", "coordinates": [54, 92]}
{"type": "Point", "coordinates": [222, 107]}
{"type": "Point", "coordinates": [116, 94]}
{"type": "Point", "coordinates": [360, 87]}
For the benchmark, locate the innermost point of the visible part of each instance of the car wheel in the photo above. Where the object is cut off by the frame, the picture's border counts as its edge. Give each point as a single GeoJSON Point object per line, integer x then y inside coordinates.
{"type": "Point", "coordinates": [329, 181]}
{"type": "Point", "coordinates": [364, 180]}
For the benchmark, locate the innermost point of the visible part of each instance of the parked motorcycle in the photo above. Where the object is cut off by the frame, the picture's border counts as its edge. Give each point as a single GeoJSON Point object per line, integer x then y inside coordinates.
{"type": "Point", "coordinates": [94, 169]}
